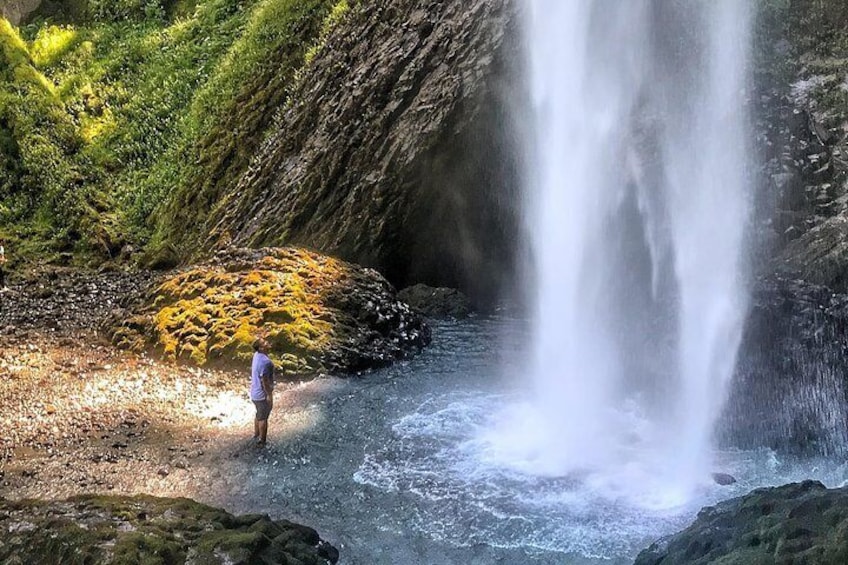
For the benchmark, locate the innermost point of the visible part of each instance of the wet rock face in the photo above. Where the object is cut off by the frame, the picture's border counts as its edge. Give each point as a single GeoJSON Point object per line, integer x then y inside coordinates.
{"type": "Point", "coordinates": [436, 303]}
{"type": "Point", "coordinates": [796, 523]}
{"type": "Point", "coordinates": [789, 392]}
{"type": "Point", "coordinates": [397, 151]}
{"type": "Point", "coordinates": [144, 529]}
{"type": "Point", "coordinates": [319, 314]}
{"type": "Point", "coordinates": [801, 124]}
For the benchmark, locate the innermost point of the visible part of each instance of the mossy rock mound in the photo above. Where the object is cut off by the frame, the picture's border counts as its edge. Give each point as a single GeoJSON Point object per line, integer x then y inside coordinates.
{"type": "Point", "coordinates": [796, 523]}
{"type": "Point", "coordinates": [145, 529]}
{"type": "Point", "coordinates": [318, 313]}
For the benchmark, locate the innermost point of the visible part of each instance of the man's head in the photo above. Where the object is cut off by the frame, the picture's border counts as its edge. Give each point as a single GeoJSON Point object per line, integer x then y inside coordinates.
{"type": "Point", "coordinates": [260, 345]}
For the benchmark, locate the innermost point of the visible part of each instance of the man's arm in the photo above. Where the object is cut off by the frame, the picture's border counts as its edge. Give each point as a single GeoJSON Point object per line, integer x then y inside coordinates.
{"type": "Point", "coordinates": [266, 379]}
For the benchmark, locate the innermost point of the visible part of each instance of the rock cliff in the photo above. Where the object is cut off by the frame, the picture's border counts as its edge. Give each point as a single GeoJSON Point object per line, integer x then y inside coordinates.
{"type": "Point", "coordinates": [790, 373]}
{"type": "Point", "coordinates": [802, 106]}
{"type": "Point", "coordinates": [396, 150]}
{"type": "Point", "coordinates": [17, 10]}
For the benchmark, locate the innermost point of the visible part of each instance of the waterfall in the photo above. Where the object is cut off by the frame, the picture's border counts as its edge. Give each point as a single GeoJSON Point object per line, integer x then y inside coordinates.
{"type": "Point", "coordinates": [638, 203]}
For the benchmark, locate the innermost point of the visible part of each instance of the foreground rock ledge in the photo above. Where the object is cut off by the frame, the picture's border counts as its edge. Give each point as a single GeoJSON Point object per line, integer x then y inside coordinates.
{"type": "Point", "coordinates": [796, 523]}
{"type": "Point", "coordinates": [319, 314]}
{"type": "Point", "coordinates": [145, 529]}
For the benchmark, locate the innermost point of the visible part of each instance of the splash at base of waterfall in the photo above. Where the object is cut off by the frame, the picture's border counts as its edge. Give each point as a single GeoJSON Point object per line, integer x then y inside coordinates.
{"type": "Point", "coordinates": [638, 202]}
{"type": "Point", "coordinates": [478, 486]}
{"type": "Point", "coordinates": [630, 464]}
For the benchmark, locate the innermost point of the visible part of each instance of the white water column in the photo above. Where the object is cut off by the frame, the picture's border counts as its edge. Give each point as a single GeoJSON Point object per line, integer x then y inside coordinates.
{"type": "Point", "coordinates": [638, 203]}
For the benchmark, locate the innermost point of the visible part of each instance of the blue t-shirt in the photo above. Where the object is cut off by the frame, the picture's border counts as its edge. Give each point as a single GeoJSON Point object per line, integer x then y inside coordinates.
{"type": "Point", "coordinates": [262, 367]}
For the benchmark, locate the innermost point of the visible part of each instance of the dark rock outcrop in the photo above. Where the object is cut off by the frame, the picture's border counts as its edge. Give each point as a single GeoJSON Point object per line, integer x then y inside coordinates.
{"type": "Point", "coordinates": [318, 313]}
{"type": "Point", "coordinates": [723, 479]}
{"type": "Point", "coordinates": [797, 523]}
{"type": "Point", "coordinates": [436, 302]}
{"type": "Point", "coordinates": [790, 391]}
{"type": "Point", "coordinates": [396, 150]}
{"type": "Point", "coordinates": [790, 387]}
{"type": "Point", "coordinates": [802, 121]}
{"type": "Point", "coordinates": [144, 529]}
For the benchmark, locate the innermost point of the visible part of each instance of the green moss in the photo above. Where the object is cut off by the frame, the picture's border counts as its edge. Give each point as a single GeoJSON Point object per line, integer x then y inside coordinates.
{"type": "Point", "coordinates": [125, 103]}
{"type": "Point", "coordinates": [145, 530]}
{"type": "Point", "coordinates": [231, 113]}
{"type": "Point", "coordinates": [147, 549]}
{"type": "Point", "coordinates": [206, 315]}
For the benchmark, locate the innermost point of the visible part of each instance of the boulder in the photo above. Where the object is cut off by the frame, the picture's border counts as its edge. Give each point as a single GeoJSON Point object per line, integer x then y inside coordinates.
{"type": "Point", "coordinates": [145, 529]}
{"type": "Point", "coordinates": [723, 479]}
{"type": "Point", "coordinates": [318, 313]}
{"type": "Point", "coordinates": [436, 302]}
{"type": "Point", "coordinates": [796, 523]}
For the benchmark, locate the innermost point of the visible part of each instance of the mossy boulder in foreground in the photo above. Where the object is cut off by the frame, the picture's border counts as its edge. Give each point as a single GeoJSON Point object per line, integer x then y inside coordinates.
{"type": "Point", "coordinates": [797, 523]}
{"type": "Point", "coordinates": [145, 529]}
{"type": "Point", "coordinates": [318, 313]}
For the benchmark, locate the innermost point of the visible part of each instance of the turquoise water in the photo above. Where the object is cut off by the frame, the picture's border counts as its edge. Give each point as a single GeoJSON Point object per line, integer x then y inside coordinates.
{"type": "Point", "coordinates": [400, 466]}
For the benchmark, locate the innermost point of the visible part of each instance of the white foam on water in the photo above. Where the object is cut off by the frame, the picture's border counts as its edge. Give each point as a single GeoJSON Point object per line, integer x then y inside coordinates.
{"type": "Point", "coordinates": [443, 455]}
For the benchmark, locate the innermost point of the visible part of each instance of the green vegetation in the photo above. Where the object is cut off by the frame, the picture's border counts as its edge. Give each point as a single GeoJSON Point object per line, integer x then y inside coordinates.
{"type": "Point", "coordinates": [124, 119]}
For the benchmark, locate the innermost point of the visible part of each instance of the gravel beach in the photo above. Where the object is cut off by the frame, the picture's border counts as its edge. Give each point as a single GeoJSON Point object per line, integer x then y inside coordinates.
{"type": "Point", "coordinates": [77, 416]}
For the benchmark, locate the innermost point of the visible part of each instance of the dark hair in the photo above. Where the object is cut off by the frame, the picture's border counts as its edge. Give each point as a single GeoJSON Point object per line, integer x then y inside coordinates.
{"type": "Point", "coordinates": [258, 343]}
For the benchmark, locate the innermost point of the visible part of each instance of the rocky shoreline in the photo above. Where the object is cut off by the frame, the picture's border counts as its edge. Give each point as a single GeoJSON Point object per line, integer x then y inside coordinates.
{"type": "Point", "coordinates": [80, 417]}
{"type": "Point", "coordinates": [795, 523]}
{"type": "Point", "coordinates": [145, 529]}
{"type": "Point", "coordinates": [63, 301]}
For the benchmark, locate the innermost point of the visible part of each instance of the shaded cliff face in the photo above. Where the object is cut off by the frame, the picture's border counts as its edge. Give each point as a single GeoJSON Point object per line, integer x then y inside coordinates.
{"type": "Point", "coordinates": [790, 388]}
{"type": "Point", "coordinates": [802, 100]}
{"type": "Point", "coordinates": [396, 150]}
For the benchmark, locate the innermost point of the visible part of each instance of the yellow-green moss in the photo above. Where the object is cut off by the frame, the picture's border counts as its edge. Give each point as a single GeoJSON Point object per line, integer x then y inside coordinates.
{"type": "Point", "coordinates": [208, 314]}
{"type": "Point", "coordinates": [311, 308]}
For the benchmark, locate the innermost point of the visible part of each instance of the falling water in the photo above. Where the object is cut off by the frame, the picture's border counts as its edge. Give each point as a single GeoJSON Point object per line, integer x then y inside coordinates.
{"type": "Point", "coordinates": [639, 202]}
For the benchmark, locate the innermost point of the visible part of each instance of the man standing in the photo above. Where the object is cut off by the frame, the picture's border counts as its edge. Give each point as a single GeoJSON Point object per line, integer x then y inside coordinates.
{"type": "Point", "coordinates": [262, 389]}
{"type": "Point", "coordinates": [2, 266]}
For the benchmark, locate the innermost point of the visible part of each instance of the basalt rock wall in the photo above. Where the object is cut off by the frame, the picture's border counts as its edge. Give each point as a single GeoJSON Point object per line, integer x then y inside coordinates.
{"type": "Point", "coordinates": [397, 150]}
{"type": "Point", "coordinates": [790, 388]}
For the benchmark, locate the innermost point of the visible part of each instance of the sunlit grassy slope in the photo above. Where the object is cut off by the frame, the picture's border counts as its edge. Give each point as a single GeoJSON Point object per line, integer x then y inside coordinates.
{"type": "Point", "coordinates": [109, 110]}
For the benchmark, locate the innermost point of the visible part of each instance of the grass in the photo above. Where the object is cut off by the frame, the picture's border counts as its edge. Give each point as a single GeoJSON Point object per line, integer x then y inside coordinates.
{"type": "Point", "coordinates": [132, 117]}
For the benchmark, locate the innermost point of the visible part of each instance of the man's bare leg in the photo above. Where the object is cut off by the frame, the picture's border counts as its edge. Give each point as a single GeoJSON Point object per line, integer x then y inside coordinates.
{"type": "Point", "coordinates": [263, 432]}
{"type": "Point", "coordinates": [255, 429]}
